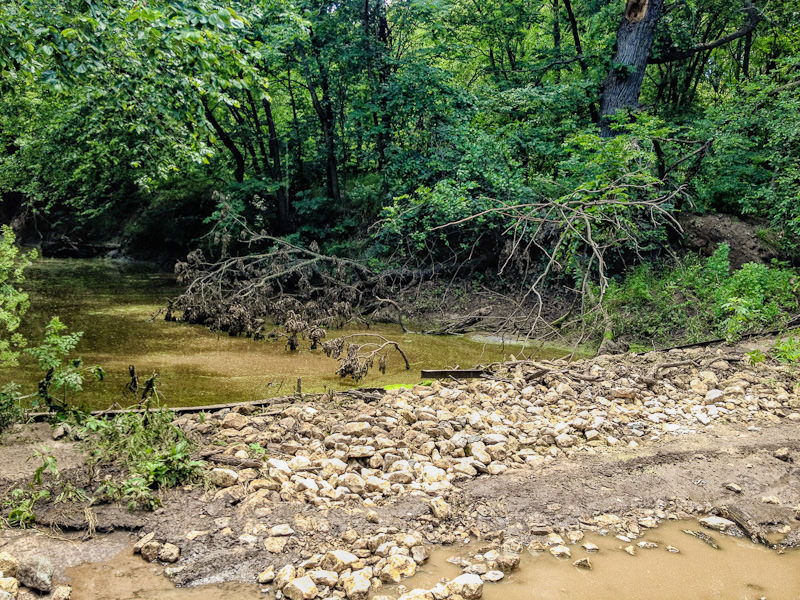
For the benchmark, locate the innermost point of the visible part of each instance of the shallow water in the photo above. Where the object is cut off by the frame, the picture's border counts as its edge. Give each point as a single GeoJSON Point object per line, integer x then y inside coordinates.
{"type": "Point", "coordinates": [127, 577]}
{"type": "Point", "coordinates": [113, 304]}
{"type": "Point", "coordinates": [739, 570]}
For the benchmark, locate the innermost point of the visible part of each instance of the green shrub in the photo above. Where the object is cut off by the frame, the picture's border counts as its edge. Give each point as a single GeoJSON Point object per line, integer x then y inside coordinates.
{"type": "Point", "coordinates": [152, 452]}
{"type": "Point", "coordinates": [695, 299]}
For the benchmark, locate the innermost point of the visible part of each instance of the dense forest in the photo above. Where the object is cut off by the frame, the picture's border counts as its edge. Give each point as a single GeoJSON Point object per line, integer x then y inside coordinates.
{"type": "Point", "coordinates": [518, 145]}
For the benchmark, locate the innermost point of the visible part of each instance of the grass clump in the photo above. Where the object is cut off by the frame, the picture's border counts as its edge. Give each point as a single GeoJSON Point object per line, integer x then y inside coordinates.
{"type": "Point", "coordinates": [696, 299]}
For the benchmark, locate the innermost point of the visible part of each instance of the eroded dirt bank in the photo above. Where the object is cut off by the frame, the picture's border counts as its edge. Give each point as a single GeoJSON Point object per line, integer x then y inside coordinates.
{"type": "Point", "coordinates": [542, 450]}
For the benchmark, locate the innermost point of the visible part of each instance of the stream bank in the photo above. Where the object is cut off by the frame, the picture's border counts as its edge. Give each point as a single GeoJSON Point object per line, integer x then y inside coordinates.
{"type": "Point", "coordinates": [619, 444]}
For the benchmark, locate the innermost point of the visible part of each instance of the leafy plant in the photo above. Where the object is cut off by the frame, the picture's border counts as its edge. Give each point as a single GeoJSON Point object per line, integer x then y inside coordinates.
{"type": "Point", "coordinates": [62, 374]}
{"type": "Point", "coordinates": [20, 505]}
{"type": "Point", "coordinates": [10, 410]}
{"type": "Point", "coordinates": [755, 357]}
{"type": "Point", "coordinates": [48, 464]}
{"type": "Point", "coordinates": [788, 350]}
{"type": "Point", "coordinates": [152, 452]}
{"type": "Point", "coordinates": [13, 302]}
{"type": "Point", "coordinates": [694, 299]}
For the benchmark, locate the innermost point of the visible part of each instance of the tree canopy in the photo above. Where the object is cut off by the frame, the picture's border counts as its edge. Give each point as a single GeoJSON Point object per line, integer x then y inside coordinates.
{"type": "Point", "coordinates": [562, 138]}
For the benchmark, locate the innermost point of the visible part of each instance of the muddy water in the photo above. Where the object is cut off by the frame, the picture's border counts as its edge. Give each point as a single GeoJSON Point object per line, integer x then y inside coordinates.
{"type": "Point", "coordinates": [112, 303]}
{"type": "Point", "coordinates": [739, 570]}
{"type": "Point", "coordinates": [127, 577]}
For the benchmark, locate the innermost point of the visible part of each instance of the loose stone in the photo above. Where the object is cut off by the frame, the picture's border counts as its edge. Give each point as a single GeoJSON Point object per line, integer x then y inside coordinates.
{"type": "Point", "coordinates": [583, 563]}
{"type": "Point", "coordinates": [36, 573]}
{"type": "Point", "coordinates": [302, 588]}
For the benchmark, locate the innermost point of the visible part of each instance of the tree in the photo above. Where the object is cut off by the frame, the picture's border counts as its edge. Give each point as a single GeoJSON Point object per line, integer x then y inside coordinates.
{"type": "Point", "coordinates": [633, 52]}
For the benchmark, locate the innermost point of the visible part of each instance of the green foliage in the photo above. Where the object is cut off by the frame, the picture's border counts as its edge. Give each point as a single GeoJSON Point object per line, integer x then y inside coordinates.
{"type": "Point", "coordinates": [49, 464]}
{"type": "Point", "coordinates": [788, 350]}
{"type": "Point", "coordinates": [61, 373]}
{"type": "Point", "coordinates": [10, 410]}
{"type": "Point", "coordinates": [755, 357]}
{"type": "Point", "coordinates": [20, 504]}
{"type": "Point", "coordinates": [696, 299]}
{"type": "Point", "coordinates": [13, 302]}
{"type": "Point", "coordinates": [153, 452]}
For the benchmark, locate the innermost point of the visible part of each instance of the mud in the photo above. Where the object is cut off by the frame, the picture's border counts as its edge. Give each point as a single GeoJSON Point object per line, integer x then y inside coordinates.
{"type": "Point", "coordinates": [127, 577]}
{"type": "Point", "coordinates": [739, 569]}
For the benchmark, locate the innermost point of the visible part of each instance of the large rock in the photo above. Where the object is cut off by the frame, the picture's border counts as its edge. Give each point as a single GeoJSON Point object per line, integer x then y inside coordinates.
{"type": "Point", "coordinates": [356, 586]}
{"type": "Point", "coordinates": [281, 530]}
{"type": "Point", "coordinates": [440, 508]}
{"type": "Point", "coordinates": [223, 477]}
{"type": "Point", "coordinates": [397, 566]}
{"type": "Point", "coordinates": [469, 586]}
{"type": "Point", "coordinates": [352, 482]}
{"type": "Point", "coordinates": [284, 576]}
{"type": "Point", "coordinates": [324, 577]}
{"type": "Point", "coordinates": [717, 523]}
{"type": "Point", "coordinates": [266, 576]}
{"type": "Point", "coordinates": [169, 553]}
{"type": "Point", "coordinates": [150, 550]}
{"type": "Point", "coordinates": [506, 562]}
{"type": "Point", "coordinates": [234, 421]}
{"type": "Point", "coordinates": [338, 560]}
{"type": "Point", "coordinates": [8, 565]}
{"type": "Point", "coordinates": [36, 573]}
{"type": "Point", "coordinates": [302, 588]}
{"type": "Point", "coordinates": [137, 547]}
{"type": "Point", "coordinates": [331, 467]}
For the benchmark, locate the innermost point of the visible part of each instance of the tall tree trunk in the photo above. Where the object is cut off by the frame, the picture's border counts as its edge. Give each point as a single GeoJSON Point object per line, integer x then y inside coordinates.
{"type": "Point", "coordinates": [298, 146]}
{"type": "Point", "coordinates": [227, 141]}
{"type": "Point", "coordinates": [748, 44]}
{"type": "Point", "coordinates": [576, 38]}
{"type": "Point", "coordinates": [285, 221]}
{"type": "Point", "coordinates": [324, 108]}
{"type": "Point", "coordinates": [556, 36]}
{"type": "Point", "coordinates": [635, 35]}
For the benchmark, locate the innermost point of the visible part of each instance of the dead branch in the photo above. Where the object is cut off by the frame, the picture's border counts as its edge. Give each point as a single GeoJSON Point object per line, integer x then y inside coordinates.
{"type": "Point", "coordinates": [356, 359]}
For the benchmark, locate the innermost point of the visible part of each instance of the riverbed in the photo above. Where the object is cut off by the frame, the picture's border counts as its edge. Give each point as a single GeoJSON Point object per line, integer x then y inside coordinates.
{"type": "Point", "coordinates": [116, 305]}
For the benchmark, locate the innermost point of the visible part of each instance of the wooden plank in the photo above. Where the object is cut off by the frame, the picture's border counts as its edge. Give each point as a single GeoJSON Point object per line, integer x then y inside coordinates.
{"type": "Point", "coordinates": [454, 373]}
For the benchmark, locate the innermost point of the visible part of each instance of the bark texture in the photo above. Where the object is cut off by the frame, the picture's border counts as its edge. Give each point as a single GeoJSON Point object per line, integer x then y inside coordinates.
{"type": "Point", "coordinates": [634, 41]}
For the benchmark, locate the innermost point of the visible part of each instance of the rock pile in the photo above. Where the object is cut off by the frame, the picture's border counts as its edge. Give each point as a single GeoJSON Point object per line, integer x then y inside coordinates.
{"type": "Point", "coordinates": [425, 441]}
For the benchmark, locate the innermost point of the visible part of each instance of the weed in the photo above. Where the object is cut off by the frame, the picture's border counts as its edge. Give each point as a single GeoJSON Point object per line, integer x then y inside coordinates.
{"type": "Point", "coordinates": [256, 451]}
{"type": "Point", "coordinates": [755, 357]}
{"type": "Point", "coordinates": [153, 452]}
{"type": "Point", "coordinates": [788, 350]}
{"type": "Point", "coordinates": [696, 299]}
{"type": "Point", "coordinates": [10, 410]}
{"type": "Point", "coordinates": [49, 464]}
{"type": "Point", "coordinates": [20, 506]}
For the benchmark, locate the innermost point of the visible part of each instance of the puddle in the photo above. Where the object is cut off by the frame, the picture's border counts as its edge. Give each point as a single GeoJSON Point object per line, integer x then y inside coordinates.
{"type": "Point", "coordinates": [739, 570]}
{"type": "Point", "coordinates": [127, 577]}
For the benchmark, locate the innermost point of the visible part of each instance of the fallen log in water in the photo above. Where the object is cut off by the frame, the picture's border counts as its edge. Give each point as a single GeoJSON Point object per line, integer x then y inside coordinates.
{"type": "Point", "coordinates": [456, 373]}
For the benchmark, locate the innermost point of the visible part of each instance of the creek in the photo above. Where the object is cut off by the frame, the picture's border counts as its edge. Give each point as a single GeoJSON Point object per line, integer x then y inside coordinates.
{"type": "Point", "coordinates": [113, 304]}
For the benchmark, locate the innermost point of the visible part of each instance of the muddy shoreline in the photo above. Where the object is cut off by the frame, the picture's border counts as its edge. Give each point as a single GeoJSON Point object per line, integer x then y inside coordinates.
{"type": "Point", "coordinates": [619, 444]}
